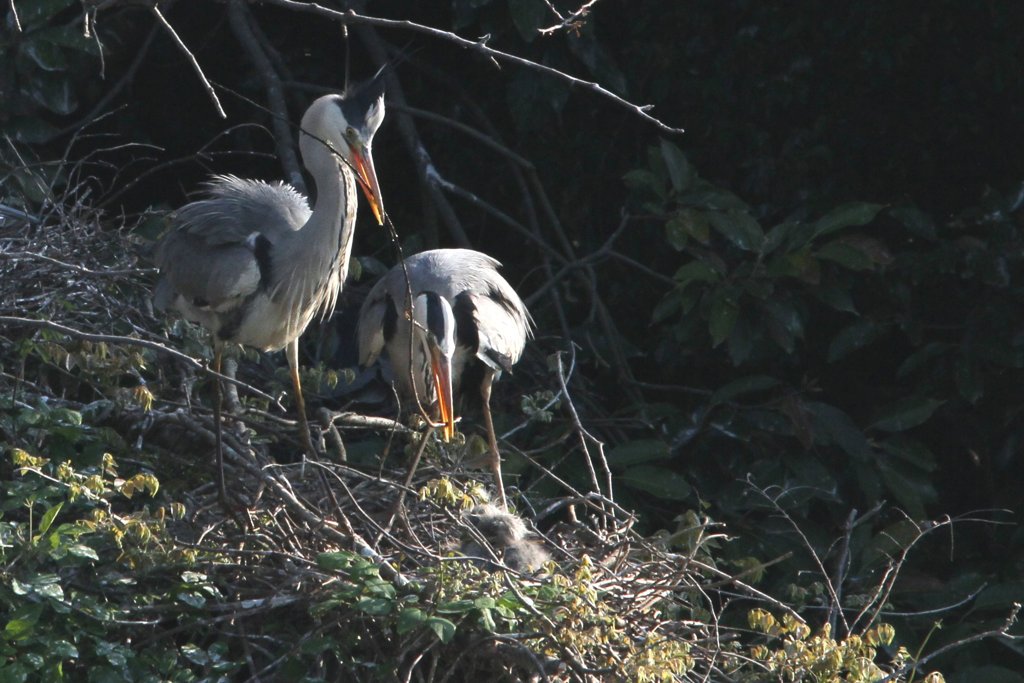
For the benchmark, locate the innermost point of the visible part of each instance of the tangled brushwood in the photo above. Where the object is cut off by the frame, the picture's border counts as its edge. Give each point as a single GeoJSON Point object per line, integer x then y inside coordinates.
{"type": "Point", "coordinates": [118, 559]}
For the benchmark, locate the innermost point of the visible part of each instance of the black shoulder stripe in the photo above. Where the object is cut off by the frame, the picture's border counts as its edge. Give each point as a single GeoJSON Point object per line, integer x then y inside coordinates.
{"type": "Point", "coordinates": [390, 318]}
{"type": "Point", "coordinates": [465, 322]}
{"type": "Point", "coordinates": [495, 294]}
{"type": "Point", "coordinates": [261, 250]}
{"type": "Point", "coordinates": [502, 361]}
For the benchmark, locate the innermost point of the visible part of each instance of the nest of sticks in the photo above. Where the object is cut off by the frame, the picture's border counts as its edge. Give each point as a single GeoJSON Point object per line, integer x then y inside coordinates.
{"type": "Point", "coordinates": [296, 540]}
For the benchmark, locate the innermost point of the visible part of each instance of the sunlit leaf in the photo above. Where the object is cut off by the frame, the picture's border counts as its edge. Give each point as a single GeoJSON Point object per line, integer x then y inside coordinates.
{"type": "Point", "coordinates": [375, 606]}
{"type": "Point", "coordinates": [47, 520]}
{"type": "Point", "coordinates": [335, 561]}
{"type": "Point", "coordinates": [409, 619]}
{"type": "Point", "coordinates": [442, 628]}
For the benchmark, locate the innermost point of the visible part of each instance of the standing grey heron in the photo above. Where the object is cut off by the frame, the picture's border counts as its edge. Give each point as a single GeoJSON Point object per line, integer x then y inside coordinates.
{"type": "Point", "coordinates": [252, 263]}
{"type": "Point", "coordinates": [467, 324]}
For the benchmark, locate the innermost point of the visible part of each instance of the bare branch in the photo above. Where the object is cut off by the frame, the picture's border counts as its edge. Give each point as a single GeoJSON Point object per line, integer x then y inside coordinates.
{"type": "Point", "coordinates": [192, 58]}
{"type": "Point", "coordinates": [481, 47]}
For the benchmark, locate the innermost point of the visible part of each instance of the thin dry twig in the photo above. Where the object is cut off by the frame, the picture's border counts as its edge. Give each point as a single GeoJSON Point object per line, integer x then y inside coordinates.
{"type": "Point", "coordinates": [481, 47]}
{"type": "Point", "coordinates": [155, 9]}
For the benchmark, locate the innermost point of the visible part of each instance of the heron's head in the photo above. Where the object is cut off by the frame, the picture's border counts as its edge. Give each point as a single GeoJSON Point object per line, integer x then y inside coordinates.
{"type": "Point", "coordinates": [348, 122]}
{"type": "Point", "coordinates": [434, 321]}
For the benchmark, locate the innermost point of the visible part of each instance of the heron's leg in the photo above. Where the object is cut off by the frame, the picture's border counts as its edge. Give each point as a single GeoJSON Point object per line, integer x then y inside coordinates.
{"type": "Point", "coordinates": [492, 440]}
{"type": "Point", "coordinates": [218, 353]}
{"type": "Point", "coordinates": [292, 352]}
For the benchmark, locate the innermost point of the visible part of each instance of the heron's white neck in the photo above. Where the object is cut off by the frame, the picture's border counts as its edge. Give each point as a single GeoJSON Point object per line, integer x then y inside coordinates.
{"type": "Point", "coordinates": [318, 253]}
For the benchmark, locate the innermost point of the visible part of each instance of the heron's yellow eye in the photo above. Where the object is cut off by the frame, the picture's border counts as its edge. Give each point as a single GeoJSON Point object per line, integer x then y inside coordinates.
{"type": "Point", "coordinates": [350, 133]}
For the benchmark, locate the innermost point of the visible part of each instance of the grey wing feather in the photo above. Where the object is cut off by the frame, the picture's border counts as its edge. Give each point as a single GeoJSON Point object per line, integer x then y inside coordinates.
{"type": "Point", "coordinates": [371, 323]}
{"type": "Point", "coordinates": [208, 255]}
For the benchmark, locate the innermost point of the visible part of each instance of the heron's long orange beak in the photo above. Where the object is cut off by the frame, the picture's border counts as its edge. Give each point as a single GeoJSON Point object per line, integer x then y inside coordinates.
{"type": "Point", "coordinates": [442, 366]}
{"type": "Point", "coordinates": [368, 181]}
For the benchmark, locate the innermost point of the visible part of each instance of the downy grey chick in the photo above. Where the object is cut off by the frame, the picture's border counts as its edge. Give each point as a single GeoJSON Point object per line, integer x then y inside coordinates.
{"type": "Point", "coordinates": [508, 536]}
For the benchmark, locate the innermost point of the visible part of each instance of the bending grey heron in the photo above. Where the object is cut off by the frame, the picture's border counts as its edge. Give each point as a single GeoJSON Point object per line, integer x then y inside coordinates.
{"type": "Point", "coordinates": [252, 263]}
{"type": "Point", "coordinates": [467, 320]}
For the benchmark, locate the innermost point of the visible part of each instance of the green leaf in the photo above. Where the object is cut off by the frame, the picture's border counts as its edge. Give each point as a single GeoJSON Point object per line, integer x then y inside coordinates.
{"type": "Point", "coordinates": [777, 235]}
{"type": "Point", "coordinates": [336, 561]}
{"type": "Point", "coordinates": [23, 621]}
{"type": "Point", "coordinates": [785, 324]}
{"type": "Point", "coordinates": [836, 297]}
{"type": "Point", "coordinates": [442, 628]}
{"type": "Point", "coordinates": [668, 305]}
{"type": "Point", "coordinates": [409, 619]}
{"type": "Point", "coordinates": [377, 607]}
{"type": "Point", "coordinates": [63, 649]}
{"type": "Point", "coordinates": [906, 413]}
{"type": "Point", "coordinates": [739, 227]}
{"type": "Point", "coordinates": [909, 488]}
{"type": "Point", "coordinates": [910, 451]}
{"type": "Point", "coordinates": [487, 620]}
{"type": "Point", "coordinates": [696, 271]}
{"type": "Point", "coordinates": [637, 451]}
{"type": "Point", "coordinates": [970, 382]}
{"type": "Point", "coordinates": [640, 179]}
{"type": "Point", "coordinates": [845, 255]}
{"type": "Point", "coordinates": [725, 310]}
{"type": "Point", "coordinates": [833, 426]}
{"type": "Point", "coordinates": [658, 481]}
{"type": "Point", "coordinates": [853, 338]}
{"type": "Point", "coordinates": [687, 224]}
{"type": "Point", "coordinates": [47, 521]}
{"type": "Point", "coordinates": [54, 93]}
{"type": "Point", "coordinates": [191, 599]}
{"type": "Point", "coordinates": [680, 173]}
{"type": "Point", "coordinates": [456, 607]}
{"type": "Point", "coordinates": [46, 55]}
{"type": "Point", "coordinates": [744, 385]}
{"type": "Point", "coordinates": [847, 215]}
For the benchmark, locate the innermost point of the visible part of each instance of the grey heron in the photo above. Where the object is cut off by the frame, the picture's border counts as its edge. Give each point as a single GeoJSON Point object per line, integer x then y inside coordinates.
{"type": "Point", "coordinates": [252, 263]}
{"type": "Point", "coordinates": [467, 321]}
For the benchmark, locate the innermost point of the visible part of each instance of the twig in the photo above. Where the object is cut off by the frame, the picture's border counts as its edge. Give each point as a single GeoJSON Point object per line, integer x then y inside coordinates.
{"type": "Point", "coordinates": [75, 267]}
{"type": "Point", "coordinates": [836, 606]}
{"type": "Point", "coordinates": [479, 46]}
{"type": "Point", "coordinates": [584, 435]}
{"type": "Point", "coordinates": [113, 92]}
{"type": "Point", "coordinates": [1001, 632]}
{"type": "Point", "coordinates": [131, 341]}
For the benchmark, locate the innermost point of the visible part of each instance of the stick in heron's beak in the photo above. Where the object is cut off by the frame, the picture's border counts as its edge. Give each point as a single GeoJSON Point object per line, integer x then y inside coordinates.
{"type": "Point", "coordinates": [363, 161]}
{"type": "Point", "coordinates": [441, 366]}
